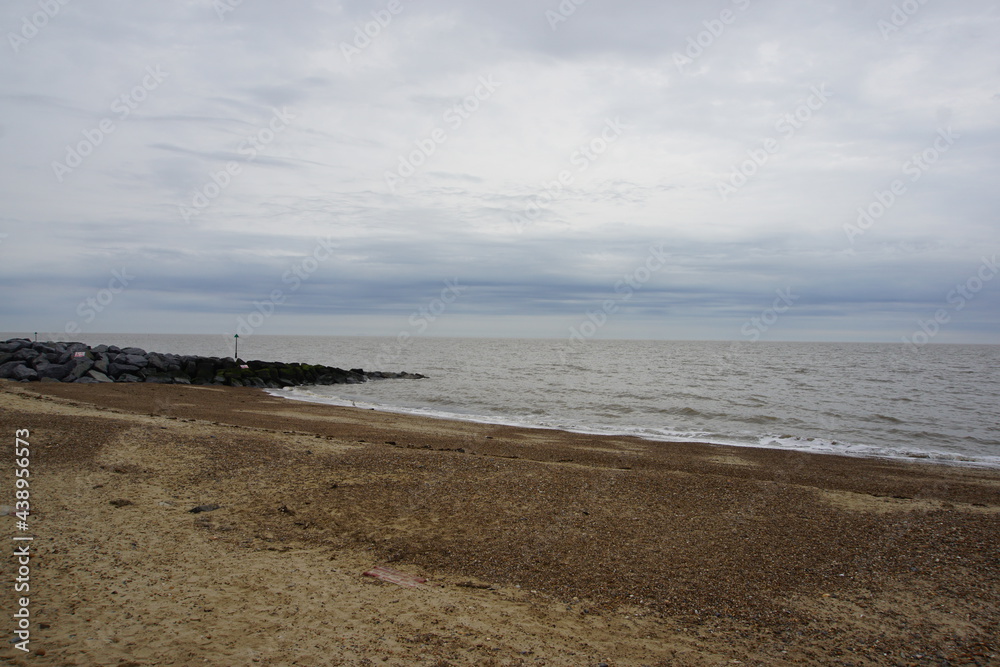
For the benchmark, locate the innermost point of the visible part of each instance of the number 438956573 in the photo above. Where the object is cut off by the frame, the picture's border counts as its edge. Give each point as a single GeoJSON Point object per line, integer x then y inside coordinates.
{"type": "Point", "coordinates": [22, 473]}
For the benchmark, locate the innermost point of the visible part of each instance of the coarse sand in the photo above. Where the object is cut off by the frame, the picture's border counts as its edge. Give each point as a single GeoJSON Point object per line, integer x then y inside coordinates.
{"type": "Point", "coordinates": [539, 547]}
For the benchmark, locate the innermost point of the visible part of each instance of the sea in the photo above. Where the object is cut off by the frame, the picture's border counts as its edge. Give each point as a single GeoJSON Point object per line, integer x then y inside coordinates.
{"type": "Point", "coordinates": [937, 403]}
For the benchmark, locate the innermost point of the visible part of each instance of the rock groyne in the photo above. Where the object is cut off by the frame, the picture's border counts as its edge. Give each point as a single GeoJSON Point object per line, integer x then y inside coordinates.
{"type": "Point", "coordinates": [27, 361]}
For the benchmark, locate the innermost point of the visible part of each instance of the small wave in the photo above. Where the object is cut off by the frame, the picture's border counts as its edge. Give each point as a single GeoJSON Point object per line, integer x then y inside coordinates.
{"type": "Point", "coordinates": [761, 419]}
{"type": "Point", "coordinates": [823, 446]}
{"type": "Point", "coordinates": [887, 418]}
{"type": "Point", "coordinates": [685, 411]}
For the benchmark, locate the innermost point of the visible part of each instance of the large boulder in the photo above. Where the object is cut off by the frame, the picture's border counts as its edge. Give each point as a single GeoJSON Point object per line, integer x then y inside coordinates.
{"type": "Point", "coordinates": [25, 354]}
{"type": "Point", "coordinates": [7, 369]}
{"type": "Point", "coordinates": [81, 367]}
{"type": "Point", "coordinates": [55, 371]}
{"type": "Point", "coordinates": [14, 344]}
{"type": "Point", "coordinates": [24, 374]}
{"type": "Point", "coordinates": [44, 359]}
{"type": "Point", "coordinates": [156, 361]}
{"type": "Point", "coordinates": [116, 369]}
{"type": "Point", "coordinates": [137, 360]}
{"type": "Point", "coordinates": [134, 350]}
{"type": "Point", "coordinates": [204, 371]}
{"type": "Point", "coordinates": [99, 376]}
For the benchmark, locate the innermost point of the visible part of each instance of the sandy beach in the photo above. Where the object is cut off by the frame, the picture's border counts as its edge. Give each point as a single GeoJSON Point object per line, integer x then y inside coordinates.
{"type": "Point", "coordinates": [538, 547]}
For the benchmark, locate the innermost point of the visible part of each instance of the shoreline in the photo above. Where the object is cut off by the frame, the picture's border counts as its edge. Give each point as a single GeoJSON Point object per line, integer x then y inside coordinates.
{"type": "Point", "coordinates": [539, 546]}
{"type": "Point", "coordinates": [934, 457]}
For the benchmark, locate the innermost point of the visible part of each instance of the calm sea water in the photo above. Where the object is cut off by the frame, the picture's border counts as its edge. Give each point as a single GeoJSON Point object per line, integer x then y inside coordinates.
{"type": "Point", "coordinates": [939, 402]}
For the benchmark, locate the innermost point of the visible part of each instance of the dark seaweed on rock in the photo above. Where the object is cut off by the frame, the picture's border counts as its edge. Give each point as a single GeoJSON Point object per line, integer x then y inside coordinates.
{"type": "Point", "coordinates": [27, 361]}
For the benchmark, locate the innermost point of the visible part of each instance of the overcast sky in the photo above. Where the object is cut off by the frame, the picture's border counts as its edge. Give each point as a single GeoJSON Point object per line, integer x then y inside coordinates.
{"type": "Point", "coordinates": [518, 168]}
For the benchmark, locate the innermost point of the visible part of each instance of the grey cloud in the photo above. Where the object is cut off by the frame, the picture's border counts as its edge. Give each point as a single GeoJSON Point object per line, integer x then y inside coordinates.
{"type": "Point", "coordinates": [687, 127]}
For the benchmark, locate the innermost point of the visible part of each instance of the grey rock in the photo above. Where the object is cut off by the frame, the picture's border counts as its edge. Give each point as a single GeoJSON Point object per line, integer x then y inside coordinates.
{"type": "Point", "coordinates": [204, 508]}
{"type": "Point", "coordinates": [14, 345]}
{"type": "Point", "coordinates": [7, 369]}
{"type": "Point", "coordinates": [128, 377]}
{"type": "Point", "coordinates": [56, 371]}
{"type": "Point", "coordinates": [157, 362]}
{"type": "Point", "coordinates": [24, 374]}
{"type": "Point", "coordinates": [82, 366]}
{"type": "Point", "coordinates": [40, 361]}
{"type": "Point", "coordinates": [25, 354]}
{"type": "Point", "coordinates": [205, 370]}
{"type": "Point", "coordinates": [134, 350]}
{"type": "Point", "coordinates": [86, 380]}
{"type": "Point", "coordinates": [102, 364]}
{"type": "Point", "coordinates": [99, 376]}
{"type": "Point", "coordinates": [114, 370]}
{"type": "Point", "coordinates": [137, 360]}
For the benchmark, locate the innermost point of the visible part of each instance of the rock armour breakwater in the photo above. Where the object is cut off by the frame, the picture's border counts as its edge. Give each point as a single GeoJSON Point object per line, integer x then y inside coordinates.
{"type": "Point", "coordinates": [26, 361]}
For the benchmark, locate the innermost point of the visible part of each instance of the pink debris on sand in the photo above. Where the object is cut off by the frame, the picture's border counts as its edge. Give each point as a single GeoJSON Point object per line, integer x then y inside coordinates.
{"type": "Point", "coordinates": [396, 577]}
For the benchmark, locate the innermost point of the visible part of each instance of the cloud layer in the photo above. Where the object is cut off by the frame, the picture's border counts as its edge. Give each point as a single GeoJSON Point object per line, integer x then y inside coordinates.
{"type": "Point", "coordinates": [351, 157]}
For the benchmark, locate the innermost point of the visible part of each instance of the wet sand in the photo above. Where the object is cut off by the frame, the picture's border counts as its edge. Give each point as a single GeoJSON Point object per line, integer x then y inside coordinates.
{"type": "Point", "coordinates": [540, 547]}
